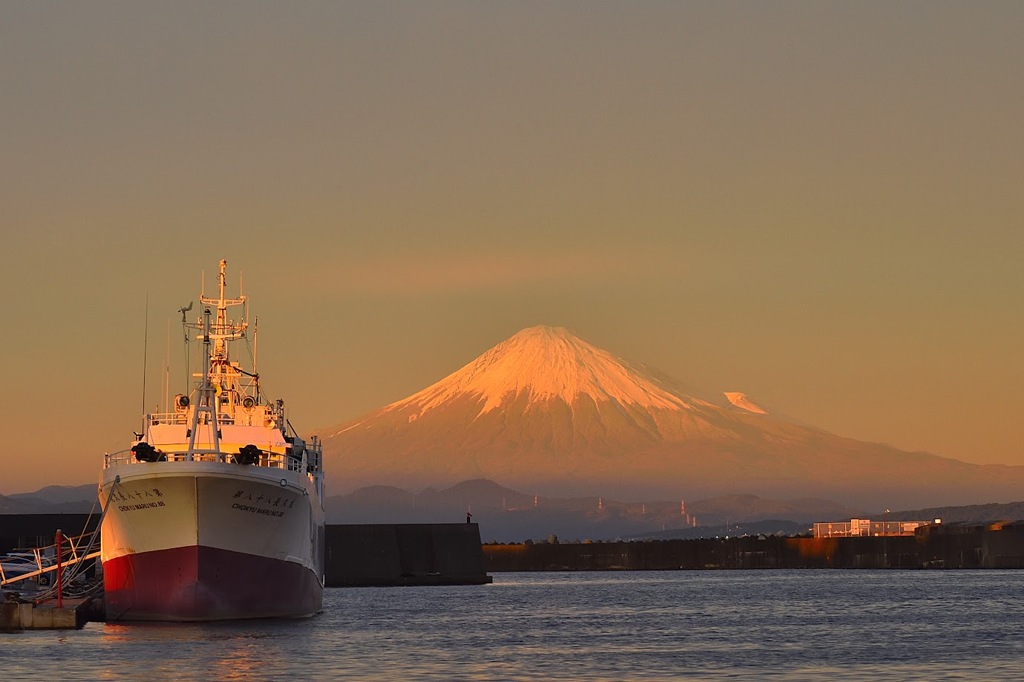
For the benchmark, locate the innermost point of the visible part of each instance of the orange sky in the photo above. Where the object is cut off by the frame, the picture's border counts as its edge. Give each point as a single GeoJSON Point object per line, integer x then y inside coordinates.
{"type": "Point", "coordinates": [817, 204]}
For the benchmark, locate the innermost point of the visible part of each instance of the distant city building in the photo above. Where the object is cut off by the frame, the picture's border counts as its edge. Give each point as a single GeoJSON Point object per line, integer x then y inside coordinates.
{"type": "Point", "coordinates": [866, 528]}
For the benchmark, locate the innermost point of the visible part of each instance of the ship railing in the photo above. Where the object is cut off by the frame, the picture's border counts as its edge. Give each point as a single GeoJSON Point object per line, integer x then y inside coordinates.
{"type": "Point", "coordinates": [271, 460]}
{"type": "Point", "coordinates": [168, 418]}
{"type": "Point", "coordinates": [182, 418]}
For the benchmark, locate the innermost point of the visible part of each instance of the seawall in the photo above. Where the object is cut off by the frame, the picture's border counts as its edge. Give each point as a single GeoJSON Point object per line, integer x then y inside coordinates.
{"type": "Point", "coordinates": [992, 546]}
{"type": "Point", "coordinates": [404, 554]}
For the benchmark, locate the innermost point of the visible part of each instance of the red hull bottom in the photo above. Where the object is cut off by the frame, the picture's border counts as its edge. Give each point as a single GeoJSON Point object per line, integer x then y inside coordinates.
{"type": "Point", "coordinates": [204, 583]}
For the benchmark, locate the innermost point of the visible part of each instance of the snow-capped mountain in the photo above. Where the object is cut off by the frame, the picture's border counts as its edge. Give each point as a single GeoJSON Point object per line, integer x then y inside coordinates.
{"type": "Point", "coordinates": [548, 412]}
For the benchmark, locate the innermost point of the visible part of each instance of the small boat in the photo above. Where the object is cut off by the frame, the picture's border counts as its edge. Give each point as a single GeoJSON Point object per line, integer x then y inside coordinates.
{"type": "Point", "coordinates": [215, 512]}
{"type": "Point", "coordinates": [18, 563]}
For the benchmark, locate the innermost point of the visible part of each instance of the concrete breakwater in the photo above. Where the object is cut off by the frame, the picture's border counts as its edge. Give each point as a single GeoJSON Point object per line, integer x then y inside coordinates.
{"type": "Point", "coordinates": [950, 546]}
{"type": "Point", "coordinates": [404, 554]}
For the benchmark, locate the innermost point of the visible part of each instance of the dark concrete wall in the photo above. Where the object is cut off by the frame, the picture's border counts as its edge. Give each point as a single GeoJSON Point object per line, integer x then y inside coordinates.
{"type": "Point", "coordinates": [38, 530]}
{"type": "Point", "coordinates": [1002, 549]}
{"type": "Point", "coordinates": [404, 554]}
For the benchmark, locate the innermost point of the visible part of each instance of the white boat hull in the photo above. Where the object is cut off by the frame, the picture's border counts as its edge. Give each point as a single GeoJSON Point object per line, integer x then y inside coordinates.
{"type": "Point", "coordinates": [186, 541]}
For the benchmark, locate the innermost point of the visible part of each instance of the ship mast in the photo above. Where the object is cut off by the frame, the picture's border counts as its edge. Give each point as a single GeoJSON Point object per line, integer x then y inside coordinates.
{"type": "Point", "coordinates": [207, 403]}
{"type": "Point", "coordinates": [223, 331]}
{"type": "Point", "coordinates": [218, 376]}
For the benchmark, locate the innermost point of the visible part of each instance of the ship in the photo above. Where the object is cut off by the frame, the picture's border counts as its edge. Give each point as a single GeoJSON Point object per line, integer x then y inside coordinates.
{"type": "Point", "coordinates": [215, 511]}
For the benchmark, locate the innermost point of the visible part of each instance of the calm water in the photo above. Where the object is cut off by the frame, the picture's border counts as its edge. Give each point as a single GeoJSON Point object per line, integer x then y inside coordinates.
{"type": "Point", "coordinates": [802, 625]}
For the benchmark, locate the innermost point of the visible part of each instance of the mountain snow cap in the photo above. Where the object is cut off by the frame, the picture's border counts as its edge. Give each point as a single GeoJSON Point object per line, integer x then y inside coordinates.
{"type": "Point", "coordinates": [544, 362]}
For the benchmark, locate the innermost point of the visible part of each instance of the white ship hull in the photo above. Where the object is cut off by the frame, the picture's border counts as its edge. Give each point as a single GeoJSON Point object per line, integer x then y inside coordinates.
{"type": "Point", "coordinates": [210, 541]}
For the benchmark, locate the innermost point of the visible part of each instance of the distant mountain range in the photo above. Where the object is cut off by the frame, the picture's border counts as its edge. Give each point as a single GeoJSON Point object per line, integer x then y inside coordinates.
{"type": "Point", "coordinates": [506, 515]}
{"type": "Point", "coordinates": [54, 499]}
{"type": "Point", "coordinates": [546, 411]}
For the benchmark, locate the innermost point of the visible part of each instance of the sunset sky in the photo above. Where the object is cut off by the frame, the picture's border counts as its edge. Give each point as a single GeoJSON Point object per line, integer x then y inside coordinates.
{"type": "Point", "coordinates": [819, 204]}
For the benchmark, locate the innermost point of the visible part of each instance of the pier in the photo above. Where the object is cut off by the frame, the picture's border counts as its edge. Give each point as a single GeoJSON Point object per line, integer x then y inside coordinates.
{"type": "Point", "coordinates": [35, 581]}
{"type": "Point", "coordinates": [72, 615]}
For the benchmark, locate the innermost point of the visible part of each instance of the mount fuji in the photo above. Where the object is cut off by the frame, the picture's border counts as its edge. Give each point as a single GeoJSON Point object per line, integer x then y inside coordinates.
{"type": "Point", "coordinates": [546, 412]}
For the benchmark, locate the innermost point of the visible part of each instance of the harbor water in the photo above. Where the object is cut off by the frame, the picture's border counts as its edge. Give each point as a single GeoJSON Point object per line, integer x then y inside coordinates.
{"type": "Point", "coordinates": [800, 625]}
